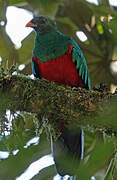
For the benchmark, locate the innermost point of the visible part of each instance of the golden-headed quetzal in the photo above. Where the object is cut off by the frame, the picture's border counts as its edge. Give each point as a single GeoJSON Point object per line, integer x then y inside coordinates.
{"type": "Point", "coordinates": [58, 58]}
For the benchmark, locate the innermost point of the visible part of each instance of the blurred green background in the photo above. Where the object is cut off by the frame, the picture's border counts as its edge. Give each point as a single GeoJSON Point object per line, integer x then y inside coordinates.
{"type": "Point", "coordinates": [93, 24]}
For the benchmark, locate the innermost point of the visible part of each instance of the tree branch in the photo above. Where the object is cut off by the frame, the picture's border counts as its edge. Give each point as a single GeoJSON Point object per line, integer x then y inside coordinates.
{"type": "Point", "coordinates": [53, 102]}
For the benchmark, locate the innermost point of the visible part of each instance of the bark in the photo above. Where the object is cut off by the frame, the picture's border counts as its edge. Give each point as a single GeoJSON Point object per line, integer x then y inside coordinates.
{"type": "Point", "coordinates": [53, 102]}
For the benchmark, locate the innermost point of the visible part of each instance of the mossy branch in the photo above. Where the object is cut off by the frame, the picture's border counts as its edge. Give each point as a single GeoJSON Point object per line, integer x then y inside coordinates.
{"type": "Point", "coordinates": [51, 101]}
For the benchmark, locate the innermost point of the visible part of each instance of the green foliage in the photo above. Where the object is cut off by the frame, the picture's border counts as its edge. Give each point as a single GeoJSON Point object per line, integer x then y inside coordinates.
{"type": "Point", "coordinates": [99, 23]}
{"type": "Point", "coordinates": [100, 29]}
{"type": "Point", "coordinates": [14, 165]}
{"type": "Point", "coordinates": [45, 7]}
{"type": "Point", "coordinates": [112, 26]}
{"type": "Point", "coordinates": [94, 21]}
{"type": "Point", "coordinates": [111, 171]}
{"type": "Point", "coordinates": [46, 173]}
{"type": "Point", "coordinates": [108, 116]}
{"type": "Point", "coordinates": [6, 72]}
{"type": "Point", "coordinates": [67, 21]}
{"type": "Point", "coordinates": [98, 158]}
{"type": "Point", "coordinates": [12, 2]}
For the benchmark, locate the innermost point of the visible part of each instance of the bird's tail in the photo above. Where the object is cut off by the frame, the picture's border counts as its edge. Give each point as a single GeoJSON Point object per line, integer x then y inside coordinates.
{"type": "Point", "coordinates": [68, 150]}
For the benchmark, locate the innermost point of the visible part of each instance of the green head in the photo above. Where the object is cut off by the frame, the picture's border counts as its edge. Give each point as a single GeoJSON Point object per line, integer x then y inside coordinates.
{"type": "Point", "coordinates": [42, 24]}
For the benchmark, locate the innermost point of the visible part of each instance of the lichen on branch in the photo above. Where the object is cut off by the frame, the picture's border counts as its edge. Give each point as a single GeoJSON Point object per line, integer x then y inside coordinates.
{"type": "Point", "coordinates": [52, 101]}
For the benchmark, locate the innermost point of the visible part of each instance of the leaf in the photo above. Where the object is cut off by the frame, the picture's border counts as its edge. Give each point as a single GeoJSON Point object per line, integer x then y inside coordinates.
{"type": "Point", "coordinates": [46, 173]}
{"type": "Point", "coordinates": [111, 169]}
{"type": "Point", "coordinates": [45, 7]}
{"type": "Point", "coordinates": [12, 2]}
{"type": "Point", "coordinates": [112, 28]}
{"type": "Point", "coordinates": [97, 160]}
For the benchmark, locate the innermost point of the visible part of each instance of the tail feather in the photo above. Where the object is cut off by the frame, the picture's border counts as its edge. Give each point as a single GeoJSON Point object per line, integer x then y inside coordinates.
{"type": "Point", "coordinates": [68, 151]}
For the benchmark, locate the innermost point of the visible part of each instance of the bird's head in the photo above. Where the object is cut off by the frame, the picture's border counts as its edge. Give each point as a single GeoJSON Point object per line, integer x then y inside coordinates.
{"type": "Point", "coordinates": [42, 24]}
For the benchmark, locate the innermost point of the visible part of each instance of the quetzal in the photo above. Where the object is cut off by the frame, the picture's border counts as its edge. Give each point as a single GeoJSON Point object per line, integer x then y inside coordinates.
{"type": "Point", "coordinates": [59, 59]}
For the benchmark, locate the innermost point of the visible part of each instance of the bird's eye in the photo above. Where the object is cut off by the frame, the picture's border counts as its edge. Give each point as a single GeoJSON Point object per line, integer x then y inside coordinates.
{"type": "Point", "coordinates": [43, 21]}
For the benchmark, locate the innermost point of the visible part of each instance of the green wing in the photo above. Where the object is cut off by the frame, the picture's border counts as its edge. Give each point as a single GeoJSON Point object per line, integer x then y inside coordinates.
{"type": "Point", "coordinates": [79, 59]}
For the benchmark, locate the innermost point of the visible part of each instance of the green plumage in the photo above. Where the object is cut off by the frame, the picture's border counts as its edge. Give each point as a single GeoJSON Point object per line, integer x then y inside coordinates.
{"type": "Point", "coordinates": [54, 44]}
{"type": "Point", "coordinates": [50, 46]}
{"type": "Point", "coordinates": [81, 65]}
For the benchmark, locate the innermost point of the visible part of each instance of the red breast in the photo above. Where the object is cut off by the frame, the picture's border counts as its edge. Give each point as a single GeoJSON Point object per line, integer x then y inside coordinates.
{"type": "Point", "coordinates": [61, 70]}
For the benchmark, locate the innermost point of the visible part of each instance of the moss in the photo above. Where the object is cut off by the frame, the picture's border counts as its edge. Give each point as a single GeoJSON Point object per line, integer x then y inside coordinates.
{"type": "Point", "coordinates": [52, 103]}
